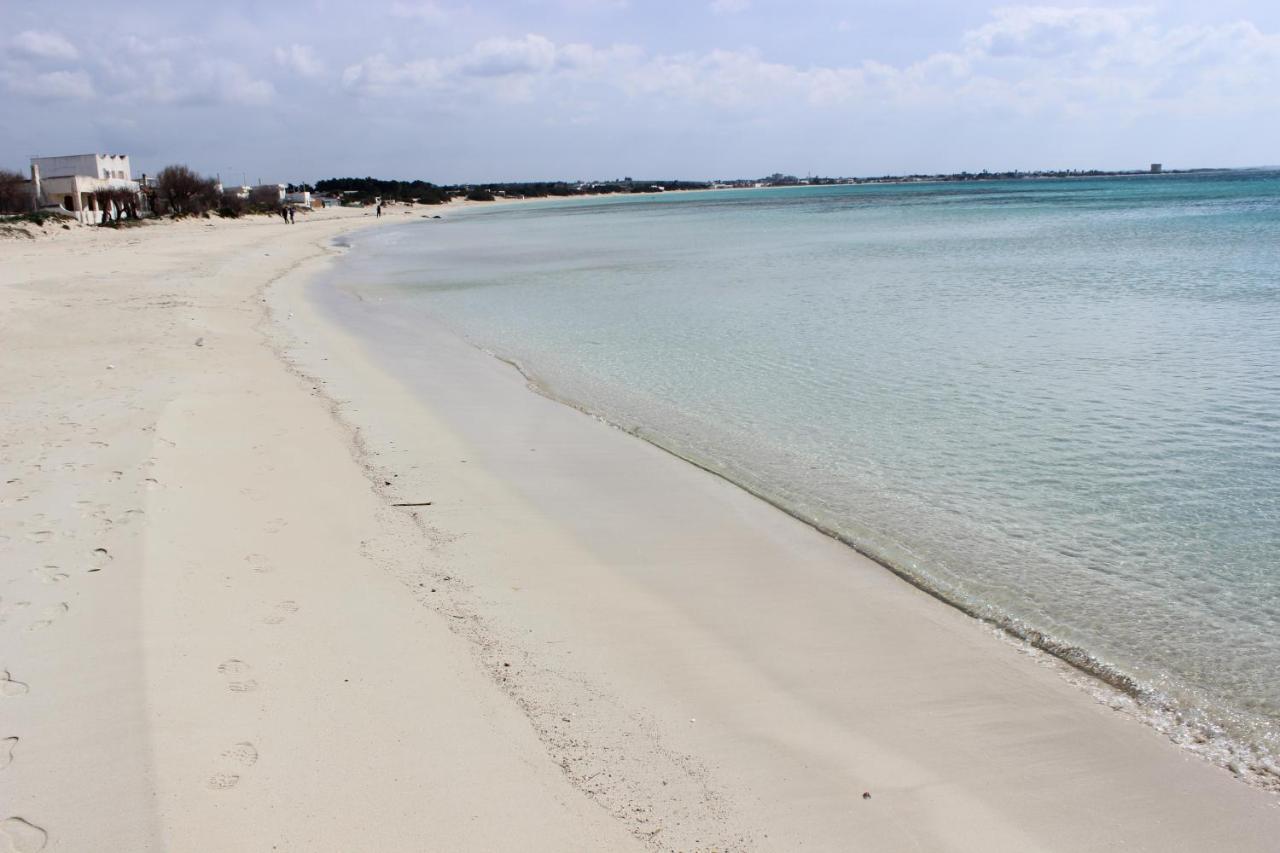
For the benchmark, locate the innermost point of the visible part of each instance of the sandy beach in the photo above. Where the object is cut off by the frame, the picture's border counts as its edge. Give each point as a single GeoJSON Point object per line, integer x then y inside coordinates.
{"type": "Point", "coordinates": [265, 588]}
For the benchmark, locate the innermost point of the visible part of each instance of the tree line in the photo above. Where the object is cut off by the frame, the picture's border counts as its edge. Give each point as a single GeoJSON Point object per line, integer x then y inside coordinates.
{"type": "Point", "coordinates": [366, 190]}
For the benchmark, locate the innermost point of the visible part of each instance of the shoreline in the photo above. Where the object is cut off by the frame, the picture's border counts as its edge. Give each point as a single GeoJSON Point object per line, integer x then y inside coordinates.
{"type": "Point", "coordinates": [1110, 685]}
{"type": "Point", "coordinates": [1075, 657]}
{"type": "Point", "coordinates": [1208, 732]}
{"type": "Point", "coordinates": [221, 633]}
{"type": "Point", "coordinates": [484, 381]}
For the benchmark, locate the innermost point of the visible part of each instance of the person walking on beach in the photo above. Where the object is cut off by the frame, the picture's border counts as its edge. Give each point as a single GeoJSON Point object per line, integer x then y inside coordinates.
{"type": "Point", "coordinates": [379, 208]}
{"type": "Point", "coordinates": [292, 213]}
{"type": "Point", "coordinates": [284, 214]}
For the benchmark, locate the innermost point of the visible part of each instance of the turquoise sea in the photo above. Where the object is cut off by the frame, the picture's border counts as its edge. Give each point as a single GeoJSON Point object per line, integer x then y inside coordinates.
{"type": "Point", "coordinates": [1055, 404]}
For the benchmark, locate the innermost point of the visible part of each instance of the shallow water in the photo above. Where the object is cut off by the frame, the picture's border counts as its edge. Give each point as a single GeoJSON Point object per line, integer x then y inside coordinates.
{"type": "Point", "coordinates": [1055, 403]}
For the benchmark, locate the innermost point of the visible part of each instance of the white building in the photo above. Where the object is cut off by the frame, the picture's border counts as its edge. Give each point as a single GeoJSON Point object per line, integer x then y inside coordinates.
{"type": "Point", "coordinates": [72, 182]}
{"type": "Point", "coordinates": [241, 191]}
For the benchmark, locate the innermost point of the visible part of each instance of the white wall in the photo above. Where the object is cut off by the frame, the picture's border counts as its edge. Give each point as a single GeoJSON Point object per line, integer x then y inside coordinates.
{"type": "Point", "coordinates": [102, 166]}
{"type": "Point", "coordinates": [114, 166]}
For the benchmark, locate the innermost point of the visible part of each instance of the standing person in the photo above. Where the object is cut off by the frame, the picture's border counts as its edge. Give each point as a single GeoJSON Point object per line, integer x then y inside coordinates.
{"type": "Point", "coordinates": [379, 208]}
{"type": "Point", "coordinates": [284, 214]}
{"type": "Point", "coordinates": [292, 214]}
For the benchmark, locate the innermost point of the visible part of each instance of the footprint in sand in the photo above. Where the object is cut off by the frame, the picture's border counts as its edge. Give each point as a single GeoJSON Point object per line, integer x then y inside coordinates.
{"type": "Point", "coordinates": [282, 611]}
{"type": "Point", "coordinates": [10, 687]}
{"type": "Point", "coordinates": [98, 558]}
{"type": "Point", "coordinates": [49, 574]}
{"type": "Point", "coordinates": [22, 835]}
{"type": "Point", "coordinates": [232, 764]}
{"type": "Point", "coordinates": [40, 536]}
{"type": "Point", "coordinates": [48, 616]}
{"type": "Point", "coordinates": [129, 515]}
{"type": "Point", "coordinates": [275, 525]}
{"type": "Point", "coordinates": [6, 751]}
{"type": "Point", "coordinates": [237, 673]}
{"type": "Point", "coordinates": [258, 563]}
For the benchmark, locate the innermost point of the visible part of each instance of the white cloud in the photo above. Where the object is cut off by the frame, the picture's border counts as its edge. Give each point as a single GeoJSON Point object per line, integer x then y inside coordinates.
{"type": "Point", "coordinates": [157, 45]}
{"type": "Point", "coordinates": [44, 45]}
{"type": "Point", "coordinates": [378, 75]}
{"type": "Point", "coordinates": [496, 57]}
{"type": "Point", "coordinates": [1044, 31]}
{"type": "Point", "coordinates": [1036, 57]}
{"type": "Point", "coordinates": [231, 83]}
{"type": "Point", "coordinates": [596, 60]}
{"type": "Point", "coordinates": [422, 10]}
{"type": "Point", "coordinates": [741, 79]}
{"type": "Point", "coordinates": [1045, 79]}
{"type": "Point", "coordinates": [1029, 61]}
{"type": "Point", "coordinates": [1026, 59]}
{"type": "Point", "coordinates": [52, 84]}
{"type": "Point", "coordinates": [176, 80]}
{"type": "Point", "coordinates": [505, 66]}
{"type": "Point", "coordinates": [300, 59]}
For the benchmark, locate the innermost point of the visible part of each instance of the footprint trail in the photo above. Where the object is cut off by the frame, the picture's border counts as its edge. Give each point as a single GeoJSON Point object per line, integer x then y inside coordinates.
{"type": "Point", "coordinates": [232, 764]}
{"type": "Point", "coordinates": [237, 674]}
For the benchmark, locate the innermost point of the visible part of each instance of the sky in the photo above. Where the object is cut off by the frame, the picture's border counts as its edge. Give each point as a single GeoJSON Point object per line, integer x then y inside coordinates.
{"type": "Point", "coordinates": [468, 91]}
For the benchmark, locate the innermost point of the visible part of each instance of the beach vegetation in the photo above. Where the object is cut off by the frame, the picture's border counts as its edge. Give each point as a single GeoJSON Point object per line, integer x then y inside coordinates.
{"type": "Point", "coordinates": [104, 200]}
{"type": "Point", "coordinates": [266, 198]}
{"type": "Point", "coordinates": [38, 217]}
{"type": "Point", "coordinates": [368, 190]}
{"type": "Point", "coordinates": [480, 194]}
{"type": "Point", "coordinates": [182, 192]}
{"type": "Point", "coordinates": [232, 206]}
{"type": "Point", "coordinates": [14, 194]}
{"type": "Point", "coordinates": [118, 200]}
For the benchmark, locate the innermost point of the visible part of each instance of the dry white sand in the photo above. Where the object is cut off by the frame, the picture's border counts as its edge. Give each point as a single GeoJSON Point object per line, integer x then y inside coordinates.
{"type": "Point", "coordinates": [219, 633]}
{"type": "Point", "coordinates": [202, 654]}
